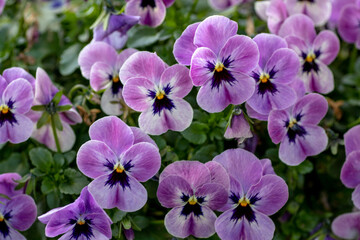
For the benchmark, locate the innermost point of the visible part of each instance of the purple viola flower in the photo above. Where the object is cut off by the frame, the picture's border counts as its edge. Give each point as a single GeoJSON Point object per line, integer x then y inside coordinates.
{"type": "Point", "coordinates": [151, 12]}
{"type": "Point", "coordinates": [278, 66]}
{"type": "Point", "coordinates": [296, 128]}
{"type": "Point", "coordinates": [118, 158]}
{"type": "Point", "coordinates": [82, 219]}
{"type": "Point", "coordinates": [348, 25]}
{"type": "Point", "coordinates": [336, 8]}
{"type": "Point", "coordinates": [347, 225]}
{"type": "Point", "coordinates": [274, 12]}
{"type": "Point", "coordinates": [315, 52]}
{"type": "Point", "coordinates": [44, 94]}
{"type": "Point", "coordinates": [16, 97]}
{"type": "Point", "coordinates": [193, 190]}
{"type": "Point", "coordinates": [220, 62]}
{"type": "Point", "coordinates": [100, 63]}
{"type": "Point", "coordinates": [350, 170]}
{"type": "Point", "coordinates": [252, 198]}
{"type": "Point", "coordinates": [238, 126]}
{"type": "Point", "coordinates": [115, 33]}
{"type": "Point", "coordinates": [318, 10]}
{"type": "Point", "coordinates": [17, 212]}
{"type": "Point", "coordinates": [221, 5]}
{"type": "Point", "coordinates": [157, 91]}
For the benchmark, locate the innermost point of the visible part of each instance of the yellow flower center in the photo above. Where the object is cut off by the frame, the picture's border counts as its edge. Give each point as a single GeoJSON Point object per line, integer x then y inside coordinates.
{"type": "Point", "coordinates": [244, 202]}
{"type": "Point", "coordinates": [310, 57]}
{"type": "Point", "coordinates": [1, 217]}
{"type": "Point", "coordinates": [264, 77]}
{"type": "Point", "coordinates": [292, 123]}
{"type": "Point", "coordinates": [81, 221]}
{"type": "Point", "coordinates": [219, 67]}
{"type": "Point", "coordinates": [160, 94]}
{"type": "Point", "coordinates": [119, 168]}
{"type": "Point", "coordinates": [116, 79]}
{"type": "Point", "coordinates": [4, 109]}
{"type": "Point", "coordinates": [192, 200]}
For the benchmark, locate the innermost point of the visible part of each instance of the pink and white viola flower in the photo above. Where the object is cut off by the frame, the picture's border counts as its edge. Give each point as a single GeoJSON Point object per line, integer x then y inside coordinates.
{"type": "Point", "coordinates": [100, 63]}
{"type": "Point", "coordinates": [156, 90]}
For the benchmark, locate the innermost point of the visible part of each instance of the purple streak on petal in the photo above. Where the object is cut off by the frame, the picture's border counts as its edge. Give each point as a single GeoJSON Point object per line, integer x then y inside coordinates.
{"type": "Point", "coordinates": [347, 225]}
{"type": "Point", "coordinates": [101, 75]}
{"type": "Point", "coordinates": [18, 132]}
{"type": "Point", "coordinates": [151, 15]}
{"type": "Point", "coordinates": [214, 32]}
{"type": "Point", "coordinates": [215, 195]}
{"type": "Point", "coordinates": [171, 191]}
{"type": "Point", "coordinates": [218, 174]}
{"type": "Point", "coordinates": [119, 139]}
{"type": "Point", "coordinates": [321, 81]}
{"type": "Point", "coordinates": [177, 76]}
{"type": "Point", "coordinates": [184, 46]}
{"type": "Point", "coordinates": [199, 71]}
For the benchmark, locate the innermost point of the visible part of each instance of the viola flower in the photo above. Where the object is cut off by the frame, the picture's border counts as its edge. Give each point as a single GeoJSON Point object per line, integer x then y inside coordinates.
{"type": "Point", "coordinates": [238, 126]}
{"type": "Point", "coordinates": [16, 97]}
{"type": "Point", "coordinates": [219, 65]}
{"type": "Point", "coordinates": [2, 5]}
{"type": "Point", "coordinates": [157, 91]}
{"type": "Point", "coordinates": [82, 219]}
{"type": "Point", "coordinates": [252, 198]}
{"type": "Point", "coordinates": [18, 211]}
{"type": "Point", "coordinates": [100, 63]}
{"type": "Point", "coordinates": [315, 52]}
{"type": "Point", "coordinates": [277, 67]}
{"type": "Point", "coordinates": [350, 171]}
{"type": "Point", "coordinates": [115, 33]}
{"type": "Point", "coordinates": [347, 225]}
{"type": "Point", "coordinates": [348, 25]}
{"type": "Point", "coordinates": [296, 128]}
{"type": "Point", "coordinates": [193, 191]}
{"type": "Point", "coordinates": [221, 5]}
{"type": "Point", "coordinates": [336, 8]}
{"type": "Point", "coordinates": [151, 12]}
{"type": "Point", "coordinates": [274, 12]}
{"type": "Point", "coordinates": [44, 94]}
{"type": "Point", "coordinates": [118, 159]}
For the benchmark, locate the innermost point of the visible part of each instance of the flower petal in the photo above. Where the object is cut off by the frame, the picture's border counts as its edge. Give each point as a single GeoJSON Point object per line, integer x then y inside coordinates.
{"type": "Point", "coordinates": [8, 184]}
{"type": "Point", "coordinates": [347, 225]}
{"type": "Point", "coordinates": [171, 189]}
{"type": "Point", "coordinates": [151, 16]}
{"type": "Point", "coordinates": [184, 46]}
{"type": "Point", "coordinates": [215, 195]}
{"type": "Point", "coordinates": [267, 166]}
{"type": "Point", "coordinates": [356, 196]}
{"type": "Point", "coordinates": [135, 93]}
{"type": "Point", "coordinates": [141, 136]}
{"type": "Point", "coordinates": [350, 171]}
{"type": "Point", "coordinates": [254, 114]}
{"type": "Point", "coordinates": [298, 25]}
{"type": "Point", "coordinates": [218, 174]}
{"type": "Point", "coordinates": [111, 103]}
{"type": "Point", "coordinates": [276, 14]}
{"type": "Point", "coordinates": [328, 44]}
{"type": "Point", "coordinates": [17, 132]}
{"type": "Point", "coordinates": [14, 73]}
{"type": "Point", "coordinates": [20, 93]}
{"type": "Point", "coordinates": [199, 72]}
{"type": "Point", "coordinates": [101, 75]}
{"type": "Point", "coordinates": [352, 139]}
{"type": "Point", "coordinates": [276, 125]}
{"type": "Point", "coordinates": [23, 212]}
{"type": "Point", "coordinates": [177, 77]}
{"type": "Point", "coordinates": [114, 132]}
{"type": "Point", "coordinates": [124, 55]}
{"type": "Point", "coordinates": [312, 108]}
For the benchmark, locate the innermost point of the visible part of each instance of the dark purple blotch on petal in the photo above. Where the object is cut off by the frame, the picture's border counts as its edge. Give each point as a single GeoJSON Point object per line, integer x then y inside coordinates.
{"type": "Point", "coordinates": [8, 116]}
{"type": "Point", "coordinates": [163, 102]}
{"type": "Point", "coordinates": [294, 129]}
{"type": "Point", "coordinates": [4, 228]}
{"type": "Point", "coordinates": [243, 211]}
{"type": "Point", "coordinates": [310, 65]}
{"type": "Point", "coordinates": [118, 176]}
{"type": "Point", "coordinates": [192, 208]}
{"type": "Point", "coordinates": [221, 74]}
{"type": "Point", "coordinates": [82, 227]}
{"type": "Point", "coordinates": [145, 3]}
{"type": "Point", "coordinates": [266, 85]}
{"type": "Point", "coordinates": [116, 84]}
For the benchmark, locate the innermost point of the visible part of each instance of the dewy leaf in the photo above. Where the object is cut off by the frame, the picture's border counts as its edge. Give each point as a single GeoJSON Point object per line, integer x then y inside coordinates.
{"type": "Point", "coordinates": [44, 119]}
{"type": "Point", "coordinates": [41, 158]}
{"type": "Point", "coordinates": [196, 133]}
{"type": "Point", "coordinates": [68, 59]}
{"type": "Point", "coordinates": [73, 182]}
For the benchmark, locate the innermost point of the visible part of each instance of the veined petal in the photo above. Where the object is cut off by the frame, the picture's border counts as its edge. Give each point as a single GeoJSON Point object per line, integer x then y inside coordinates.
{"type": "Point", "coordinates": [311, 108]}
{"type": "Point", "coordinates": [23, 212]}
{"type": "Point", "coordinates": [215, 195]}
{"type": "Point", "coordinates": [152, 16]}
{"type": "Point", "coordinates": [199, 71]}
{"type": "Point", "coordinates": [177, 77]}
{"type": "Point", "coordinates": [110, 102]}
{"type": "Point", "coordinates": [276, 14]}
{"type": "Point", "coordinates": [141, 136]}
{"type": "Point", "coordinates": [328, 44]}
{"type": "Point", "coordinates": [17, 132]}
{"type": "Point", "coordinates": [350, 171]}
{"type": "Point", "coordinates": [321, 81]}
{"type": "Point", "coordinates": [14, 73]}
{"type": "Point", "coordinates": [218, 174]}
{"type": "Point", "coordinates": [276, 125]}
{"type": "Point", "coordinates": [254, 114]}
{"type": "Point", "coordinates": [290, 152]}
{"type": "Point", "coordinates": [347, 225]}
{"type": "Point", "coordinates": [123, 56]}
{"type": "Point", "coordinates": [299, 25]}
{"type": "Point", "coordinates": [267, 166]}
{"type": "Point", "coordinates": [171, 190]}
{"type": "Point", "coordinates": [352, 139]}
{"type": "Point", "coordinates": [135, 93]}
{"type": "Point", "coordinates": [356, 196]}
{"type": "Point", "coordinates": [101, 75]}
{"type": "Point", "coordinates": [184, 46]}
{"type": "Point", "coordinates": [19, 93]}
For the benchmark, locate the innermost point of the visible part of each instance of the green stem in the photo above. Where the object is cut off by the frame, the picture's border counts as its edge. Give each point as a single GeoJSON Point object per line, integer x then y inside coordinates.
{"type": "Point", "coordinates": [75, 88]}
{"type": "Point", "coordinates": [353, 57]}
{"type": "Point", "coordinates": [55, 134]}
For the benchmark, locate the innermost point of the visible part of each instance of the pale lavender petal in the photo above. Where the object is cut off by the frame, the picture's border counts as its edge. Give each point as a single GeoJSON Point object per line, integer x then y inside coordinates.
{"type": "Point", "coordinates": [2, 5]}
{"type": "Point", "coordinates": [150, 16]}
{"type": "Point", "coordinates": [348, 23]}
{"type": "Point", "coordinates": [95, 52]}
{"type": "Point", "coordinates": [263, 230]}
{"type": "Point", "coordinates": [356, 196]}
{"type": "Point", "coordinates": [220, 4]}
{"type": "Point", "coordinates": [184, 46]}
{"type": "Point", "coordinates": [143, 65]}
{"type": "Point", "coordinates": [237, 189]}
{"type": "Point", "coordinates": [297, 44]}
{"type": "Point", "coordinates": [261, 8]}
{"type": "Point", "coordinates": [101, 74]}
{"type": "Point", "coordinates": [23, 212]}
{"type": "Point", "coordinates": [60, 224]}
{"type": "Point", "coordinates": [291, 153]}
{"type": "Point", "coordinates": [153, 124]}
{"type": "Point", "coordinates": [14, 73]}
{"type": "Point", "coordinates": [116, 39]}
{"type": "Point", "coordinates": [272, 193]}
{"type": "Point", "coordinates": [268, 44]}
{"type": "Point", "coordinates": [194, 172]}
{"type": "Point", "coordinates": [199, 72]}
{"type": "Point", "coordinates": [214, 32]}
{"type": "Point", "coordinates": [14, 234]}
{"type": "Point", "coordinates": [177, 77]}
{"type": "Point", "coordinates": [319, 12]}
{"type": "Point", "coordinates": [254, 114]}
{"type": "Point", "coordinates": [312, 108]}
{"type": "Point", "coordinates": [45, 218]}
{"type": "Point", "coordinates": [321, 81]}
{"type": "Point", "coordinates": [114, 132]}
{"type": "Point", "coordinates": [111, 103]}
{"type": "Point", "coordinates": [123, 56]}
{"type": "Point", "coordinates": [243, 51]}
{"type": "Point", "coordinates": [217, 99]}
{"type": "Point", "coordinates": [215, 194]}
{"type": "Point", "coordinates": [129, 199]}
{"type": "Point", "coordinates": [145, 159]}
{"type": "Point", "coordinates": [44, 88]}
{"type": "Point", "coordinates": [200, 226]}
{"type": "Point", "coordinates": [141, 136]}
{"type": "Point", "coordinates": [267, 166]}
{"type": "Point", "coordinates": [71, 116]}
{"type": "Point", "coordinates": [277, 14]}
{"type": "Point", "coordinates": [17, 132]}
{"type": "Point", "coordinates": [218, 174]}
{"type": "Point", "coordinates": [242, 165]}
{"type": "Point", "coordinates": [352, 139]}
{"type": "Point", "coordinates": [347, 225]}
{"type": "Point", "coordinates": [20, 93]}
{"type": "Point", "coordinates": [350, 171]}
{"type": "Point", "coordinates": [299, 87]}
{"type": "Point", "coordinates": [171, 189]}
{"type": "Point", "coordinates": [8, 184]}
{"type": "Point", "coordinates": [94, 157]}
{"type": "Point", "coordinates": [276, 125]}
{"type": "Point", "coordinates": [238, 128]}
{"type": "Point", "coordinates": [298, 25]}
{"type": "Point", "coordinates": [328, 44]}
{"type": "Point", "coordinates": [136, 92]}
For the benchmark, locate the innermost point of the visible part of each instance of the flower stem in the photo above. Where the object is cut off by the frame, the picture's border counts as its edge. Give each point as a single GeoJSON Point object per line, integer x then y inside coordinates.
{"type": "Point", "coordinates": [57, 143]}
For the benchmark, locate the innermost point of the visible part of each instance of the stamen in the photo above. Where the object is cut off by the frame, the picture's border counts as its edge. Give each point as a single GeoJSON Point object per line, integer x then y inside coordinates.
{"type": "Point", "coordinates": [1, 217]}
{"type": "Point", "coordinates": [264, 77]}
{"type": "Point", "coordinates": [4, 109]}
{"type": "Point", "coordinates": [160, 94]}
{"type": "Point", "coordinates": [192, 200]}
{"type": "Point", "coordinates": [116, 79]}
{"type": "Point", "coordinates": [292, 123]}
{"type": "Point", "coordinates": [219, 67]}
{"type": "Point", "coordinates": [310, 57]}
{"type": "Point", "coordinates": [244, 202]}
{"type": "Point", "coordinates": [81, 221]}
{"type": "Point", "coordinates": [119, 168]}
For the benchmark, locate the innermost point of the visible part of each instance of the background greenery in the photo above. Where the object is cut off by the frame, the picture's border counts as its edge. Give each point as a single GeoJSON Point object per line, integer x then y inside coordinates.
{"type": "Point", "coordinates": [33, 34]}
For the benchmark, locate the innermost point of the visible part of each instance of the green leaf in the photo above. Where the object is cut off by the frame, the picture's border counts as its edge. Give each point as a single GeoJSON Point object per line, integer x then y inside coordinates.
{"type": "Point", "coordinates": [68, 59]}
{"type": "Point", "coordinates": [45, 118]}
{"type": "Point", "coordinates": [73, 182]}
{"type": "Point", "coordinates": [142, 37]}
{"type": "Point", "coordinates": [56, 99]}
{"type": "Point", "coordinates": [47, 186]}
{"type": "Point", "coordinates": [4, 196]}
{"type": "Point", "coordinates": [52, 200]}
{"type": "Point", "coordinates": [196, 133]}
{"type": "Point", "coordinates": [41, 158]}
{"type": "Point", "coordinates": [305, 167]}
{"type": "Point", "coordinates": [63, 108]}
{"type": "Point", "coordinates": [22, 181]}
{"type": "Point", "coordinates": [59, 160]}
{"type": "Point", "coordinates": [70, 156]}
{"type": "Point", "coordinates": [126, 223]}
{"type": "Point", "coordinates": [38, 108]}
{"type": "Point", "coordinates": [57, 121]}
